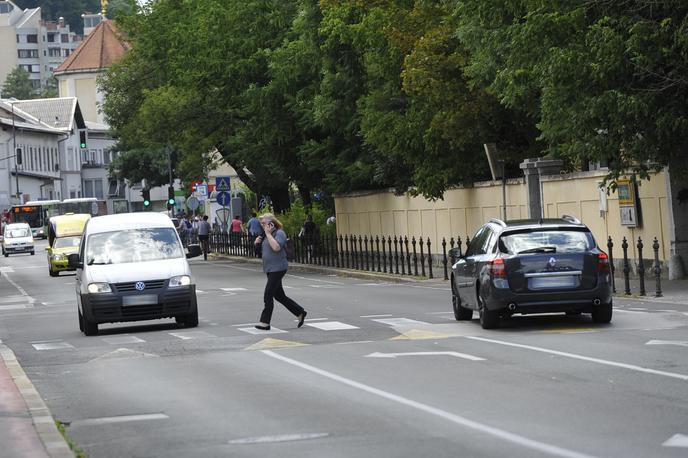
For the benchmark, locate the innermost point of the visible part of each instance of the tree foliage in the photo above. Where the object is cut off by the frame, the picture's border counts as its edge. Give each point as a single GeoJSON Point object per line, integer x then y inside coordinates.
{"type": "Point", "coordinates": [343, 95]}
{"type": "Point", "coordinates": [18, 85]}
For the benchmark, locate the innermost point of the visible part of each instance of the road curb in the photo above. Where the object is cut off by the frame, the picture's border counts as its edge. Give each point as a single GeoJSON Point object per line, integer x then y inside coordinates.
{"type": "Point", "coordinates": [335, 271]}
{"type": "Point", "coordinates": [55, 444]}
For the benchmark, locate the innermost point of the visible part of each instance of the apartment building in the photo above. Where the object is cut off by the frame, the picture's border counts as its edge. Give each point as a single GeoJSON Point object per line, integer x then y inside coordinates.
{"type": "Point", "coordinates": [37, 46]}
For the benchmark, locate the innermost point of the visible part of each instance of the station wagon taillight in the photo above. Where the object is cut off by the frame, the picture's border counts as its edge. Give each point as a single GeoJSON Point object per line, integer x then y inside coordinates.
{"type": "Point", "coordinates": [603, 261]}
{"type": "Point", "coordinates": [497, 268]}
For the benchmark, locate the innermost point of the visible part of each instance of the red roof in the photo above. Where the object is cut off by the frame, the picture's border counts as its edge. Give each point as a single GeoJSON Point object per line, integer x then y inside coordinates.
{"type": "Point", "coordinates": [100, 49]}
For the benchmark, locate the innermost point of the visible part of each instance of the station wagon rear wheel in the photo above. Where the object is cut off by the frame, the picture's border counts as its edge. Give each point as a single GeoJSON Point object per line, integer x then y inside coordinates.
{"type": "Point", "coordinates": [602, 313]}
{"type": "Point", "coordinates": [489, 319]}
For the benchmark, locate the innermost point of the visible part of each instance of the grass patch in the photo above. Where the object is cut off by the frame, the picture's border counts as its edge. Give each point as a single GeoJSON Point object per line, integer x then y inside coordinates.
{"type": "Point", "coordinates": [78, 451]}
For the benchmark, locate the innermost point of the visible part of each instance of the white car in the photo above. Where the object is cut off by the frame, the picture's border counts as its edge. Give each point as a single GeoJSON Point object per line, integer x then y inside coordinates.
{"type": "Point", "coordinates": [17, 239]}
{"type": "Point", "coordinates": [132, 266]}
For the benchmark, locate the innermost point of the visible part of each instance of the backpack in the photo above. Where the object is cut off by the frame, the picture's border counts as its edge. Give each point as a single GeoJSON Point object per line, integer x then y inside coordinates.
{"type": "Point", "coordinates": [289, 249]}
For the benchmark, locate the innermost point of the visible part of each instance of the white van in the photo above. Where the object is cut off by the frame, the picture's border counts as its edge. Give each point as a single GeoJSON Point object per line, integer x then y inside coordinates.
{"type": "Point", "coordinates": [17, 239]}
{"type": "Point", "coordinates": [130, 267]}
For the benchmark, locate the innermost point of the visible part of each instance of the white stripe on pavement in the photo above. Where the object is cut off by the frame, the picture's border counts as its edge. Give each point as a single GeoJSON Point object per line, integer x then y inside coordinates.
{"type": "Point", "coordinates": [457, 419]}
{"type": "Point", "coordinates": [119, 419]}
{"type": "Point", "coordinates": [585, 358]}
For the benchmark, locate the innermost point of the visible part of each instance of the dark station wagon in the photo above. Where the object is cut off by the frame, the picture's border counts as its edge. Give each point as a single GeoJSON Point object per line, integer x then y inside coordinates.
{"type": "Point", "coordinates": [531, 266]}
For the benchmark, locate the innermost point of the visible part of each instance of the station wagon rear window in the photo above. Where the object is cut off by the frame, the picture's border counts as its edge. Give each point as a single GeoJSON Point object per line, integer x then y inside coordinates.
{"type": "Point", "coordinates": [546, 241]}
{"type": "Point", "coordinates": [135, 245]}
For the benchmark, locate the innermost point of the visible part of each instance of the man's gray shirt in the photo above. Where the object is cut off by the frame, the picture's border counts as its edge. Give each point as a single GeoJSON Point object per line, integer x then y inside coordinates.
{"type": "Point", "coordinates": [275, 261]}
{"type": "Point", "coordinates": [203, 228]}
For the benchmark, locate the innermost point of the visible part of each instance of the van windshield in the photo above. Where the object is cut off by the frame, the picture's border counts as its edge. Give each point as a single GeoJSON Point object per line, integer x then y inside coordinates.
{"type": "Point", "coordinates": [67, 242]}
{"type": "Point", "coordinates": [20, 232]}
{"type": "Point", "coordinates": [134, 245]}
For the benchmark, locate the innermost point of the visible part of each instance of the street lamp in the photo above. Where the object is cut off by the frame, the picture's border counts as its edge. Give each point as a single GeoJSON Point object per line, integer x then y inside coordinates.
{"type": "Point", "coordinates": [14, 147]}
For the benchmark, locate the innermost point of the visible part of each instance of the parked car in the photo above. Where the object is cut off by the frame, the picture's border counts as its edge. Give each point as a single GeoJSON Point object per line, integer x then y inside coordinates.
{"type": "Point", "coordinates": [130, 267]}
{"type": "Point", "coordinates": [17, 239]}
{"type": "Point", "coordinates": [531, 266]}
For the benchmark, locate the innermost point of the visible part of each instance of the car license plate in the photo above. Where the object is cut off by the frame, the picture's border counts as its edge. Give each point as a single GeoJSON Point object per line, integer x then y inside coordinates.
{"type": "Point", "coordinates": [564, 281]}
{"type": "Point", "coordinates": [142, 299]}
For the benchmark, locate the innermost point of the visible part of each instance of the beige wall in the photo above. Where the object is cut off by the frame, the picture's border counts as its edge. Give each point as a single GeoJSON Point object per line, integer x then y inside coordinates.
{"type": "Point", "coordinates": [85, 92]}
{"type": "Point", "coordinates": [8, 52]}
{"type": "Point", "coordinates": [463, 210]}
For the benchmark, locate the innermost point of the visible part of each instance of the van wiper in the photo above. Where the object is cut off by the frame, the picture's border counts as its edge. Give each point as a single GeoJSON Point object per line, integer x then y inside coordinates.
{"type": "Point", "coordinates": [540, 249]}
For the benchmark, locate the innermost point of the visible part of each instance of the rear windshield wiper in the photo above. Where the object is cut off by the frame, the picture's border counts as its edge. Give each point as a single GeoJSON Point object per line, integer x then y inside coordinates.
{"type": "Point", "coordinates": [540, 249]}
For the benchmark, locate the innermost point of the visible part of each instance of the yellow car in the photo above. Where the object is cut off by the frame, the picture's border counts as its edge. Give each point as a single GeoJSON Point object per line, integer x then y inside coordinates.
{"type": "Point", "coordinates": [64, 236]}
{"type": "Point", "coordinates": [58, 253]}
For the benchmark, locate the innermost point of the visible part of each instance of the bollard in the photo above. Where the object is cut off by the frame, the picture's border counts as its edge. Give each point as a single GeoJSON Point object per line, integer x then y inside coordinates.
{"type": "Point", "coordinates": [657, 269]}
{"type": "Point", "coordinates": [610, 246]}
{"type": "Point", "coordinates": [626, 267]}
{"type": "Point", "coordinates": [444, 258]}
{"type": "Point", "coordinates": [429, 260]}
{"type": "Point", "coordinates": [641, 266]}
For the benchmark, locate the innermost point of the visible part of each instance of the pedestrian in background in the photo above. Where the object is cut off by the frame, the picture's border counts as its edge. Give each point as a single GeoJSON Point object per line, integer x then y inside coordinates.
{"type": "Point", "coordinates": [275, 265]}
{"type": "Point", "coordinates": [203, 236]}
{"type": "Point", "coordinates": [236, 228]}
{"type": "Point", "coordinates": [253, 228]}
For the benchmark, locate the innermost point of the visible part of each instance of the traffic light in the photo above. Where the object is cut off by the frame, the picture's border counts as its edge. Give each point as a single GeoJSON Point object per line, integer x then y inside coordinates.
{"type": "Point", "coordinates": [82, 139]}
{"type": "Point", "coordinates": [19, 156]}
{"type": "Point", "coordinates": [170, 196]}
{"type": "Point", "coordinates": [145, 193]}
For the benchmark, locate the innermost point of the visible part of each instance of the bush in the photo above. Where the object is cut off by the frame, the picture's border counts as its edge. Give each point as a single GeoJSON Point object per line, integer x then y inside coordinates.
{"type": "Point", "coordinates": [293, 218]}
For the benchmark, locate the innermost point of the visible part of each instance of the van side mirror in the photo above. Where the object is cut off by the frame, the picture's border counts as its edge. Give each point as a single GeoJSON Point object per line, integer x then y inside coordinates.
{"type": "Point", "coordinates": [74, 262]}
{"type": "Point", "coordinates": [194, 250]}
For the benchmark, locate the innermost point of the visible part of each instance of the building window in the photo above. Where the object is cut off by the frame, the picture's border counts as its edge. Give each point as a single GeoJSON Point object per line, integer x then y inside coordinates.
{"type": "Point", "coordinates": [65, 38]}
{"type": "Point", "coordinates": [51, 37]}
{"type": "Point", "coordinates": [98, 185]}
{"type": "Point", "coordinates": [27, 53]}
{"type": "Point", "coordinates": [88, 188]}
{"type": "Point", "coordinates": [32, 38]}
{"type": "Point", "coordinates": [55, 52]}
{"type": "Point", "coordinates": [36, 84]}
{"type": "Point", "coordinates": [6, 8]}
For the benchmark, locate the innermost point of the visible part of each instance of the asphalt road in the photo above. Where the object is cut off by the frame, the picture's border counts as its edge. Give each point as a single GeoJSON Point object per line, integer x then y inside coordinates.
{"type": "Point", "coordinates": [379, 370]}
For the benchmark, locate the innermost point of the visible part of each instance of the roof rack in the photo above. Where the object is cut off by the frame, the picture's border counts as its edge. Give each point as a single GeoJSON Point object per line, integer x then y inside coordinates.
{"type": "Point", "coordinates": [571, 219]}
{"type": "Point", "coordinates": [498, 221]}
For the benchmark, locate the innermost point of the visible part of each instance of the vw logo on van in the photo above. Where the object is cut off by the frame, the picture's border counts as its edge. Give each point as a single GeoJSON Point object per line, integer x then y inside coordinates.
{"type": "Point", "coordinates": [552, 262]}
{"type": "Point", "coordinates": [140, 286]}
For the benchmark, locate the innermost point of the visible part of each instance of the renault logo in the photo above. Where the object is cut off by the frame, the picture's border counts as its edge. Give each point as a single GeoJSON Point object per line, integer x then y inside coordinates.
{"type": "Point", "coordinates": [552, 262]}
{"type": "Point", "coordinates": [140, 286]}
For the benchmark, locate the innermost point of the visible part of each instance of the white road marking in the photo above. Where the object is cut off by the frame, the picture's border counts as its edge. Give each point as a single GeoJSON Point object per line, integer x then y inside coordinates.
{"type": "Point", "coordinates": [456, 419]}
{"type": "Point", "coordinates": [354, 342]}
{"type": "Point", "coordinates": [630, 311]}
{"type": "Point", "coordinates": [120, 340]}
{"type": "Point", "coordinates": [21, 290]}
{"type": "Point", "coordinates": [401, 322]}
{"type": "Point", "coordinates": [315, 319]}
{"type": "Point", "coordinates": [372, 284]}
{"type": "Point", "coordinates": [331, 326]}
{"type": "Point", "coordinates": [190, 335]}
{"type": "Point", "coordinates": [52, 346]}
{"type": "Point", "coordinates": [677, 440]}
{"type": "Point", "coordinates": [233, 289]}
{"type": "Point", "coordinates": [375, 316]}
{"type": "Point", "coordinates": [273, 330]}
{"type": "Point", "coordinates": [637, 308]}
{"type": "Point", "coordinates": [119, 419]}
{"type": "Point", "coordinates": [680, 343]}
{"type": "Point", "coordinates": [439, 313]}
{"type": "Point", "coordinates": [7, 269]}
{"type": "Point", "coordinates": [426, 353]}
{"type": "Point", "coordinates": [278, 438]}
{"type": "Point", "coordinates": [585, 358]}
{"type": "Point", "coordinates": [245, 324]}
{"type": "Point", "coordinates": [15, 306]}
{"type": "Point", "coordinates": [324, 286]}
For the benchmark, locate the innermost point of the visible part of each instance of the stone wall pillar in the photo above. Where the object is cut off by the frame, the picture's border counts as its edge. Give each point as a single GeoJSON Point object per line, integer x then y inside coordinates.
{"type": "Point", "coordinates": [533, 169]}
{"type": "Point", "coordinates": [677, 194]}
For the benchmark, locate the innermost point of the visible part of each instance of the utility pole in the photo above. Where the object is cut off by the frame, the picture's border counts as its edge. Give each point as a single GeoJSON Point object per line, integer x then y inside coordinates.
{"type": "Point", "coordinates": [14, 146]}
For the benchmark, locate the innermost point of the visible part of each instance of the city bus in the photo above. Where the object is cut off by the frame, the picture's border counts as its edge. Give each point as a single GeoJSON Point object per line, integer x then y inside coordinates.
{"type": "Point", "coordinates": [90, 205]}
{"type": "Point", "coordinates": [36, 214]}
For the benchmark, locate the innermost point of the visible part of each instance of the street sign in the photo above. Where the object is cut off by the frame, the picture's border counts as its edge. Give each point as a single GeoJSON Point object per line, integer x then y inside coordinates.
{"type": "Point", "coordinates": [202, 190]}
{"type": "Point", "coordinates": [222, 184]}
{"type": "Point", "coordinates": [193, 203]}
{"type": "Point", "coordinates": [223, 198]}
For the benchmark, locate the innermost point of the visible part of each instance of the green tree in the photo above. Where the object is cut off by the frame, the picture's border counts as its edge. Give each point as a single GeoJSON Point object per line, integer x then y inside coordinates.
{"type": "Point", "coordinates": [605, 81]}
{"type": "Point", "coordinates": [18, 85]}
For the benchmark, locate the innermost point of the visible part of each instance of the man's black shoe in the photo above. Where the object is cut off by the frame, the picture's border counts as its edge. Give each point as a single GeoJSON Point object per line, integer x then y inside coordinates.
{"type": "Point", "coordinates": [263, 328]}
{"type": "Point", "coordinates": [301, 319]}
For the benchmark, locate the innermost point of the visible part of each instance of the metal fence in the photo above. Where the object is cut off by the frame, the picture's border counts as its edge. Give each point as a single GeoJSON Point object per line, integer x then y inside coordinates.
{"type": "Point", "coordinates": [410, 257]}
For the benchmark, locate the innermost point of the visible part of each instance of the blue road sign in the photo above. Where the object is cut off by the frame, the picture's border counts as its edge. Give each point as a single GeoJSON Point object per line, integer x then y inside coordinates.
{"type": "Point", "coordinates": [223, 198]}
{"type": "Point", "coordinates": [222, 184]}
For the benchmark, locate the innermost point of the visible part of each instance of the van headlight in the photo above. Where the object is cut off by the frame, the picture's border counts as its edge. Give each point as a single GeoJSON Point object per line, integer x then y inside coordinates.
{"type": "Point", "coordinates": [180, 280]}
{"type": "Point", "coordinates": [59, 257]}
{"type": "Point", "coordinates": [95, 288]}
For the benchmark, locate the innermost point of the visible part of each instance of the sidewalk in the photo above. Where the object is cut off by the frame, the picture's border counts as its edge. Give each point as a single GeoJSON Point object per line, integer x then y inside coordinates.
{"type": "Point", "coordinates": [27, 429]}
{"type": "Point", "coordinates": [673, 291]}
